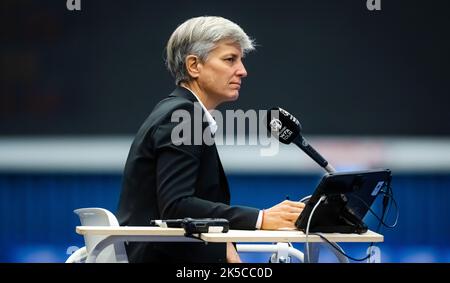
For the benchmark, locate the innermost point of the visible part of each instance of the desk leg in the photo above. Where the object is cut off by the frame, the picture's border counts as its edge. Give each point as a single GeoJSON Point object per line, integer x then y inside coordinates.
{"type": "Point", "coordinates": [281, 251]}
{"type": "Point", "coordinates": [375, 254]}
{"type": "Point", "coordinates": [92, 256]}
{"type": "Point", "coordinates": [314, 251]}
{"type": "Point", "coordinates": [340, 257]}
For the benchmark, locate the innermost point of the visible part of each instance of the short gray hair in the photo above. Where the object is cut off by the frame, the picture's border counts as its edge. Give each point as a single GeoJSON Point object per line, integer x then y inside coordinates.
{"type": "Point", "coordinates": [198, 36]}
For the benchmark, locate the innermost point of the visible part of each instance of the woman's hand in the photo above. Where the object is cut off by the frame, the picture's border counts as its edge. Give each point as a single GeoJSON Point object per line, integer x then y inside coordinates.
{"type": "Point", "coordinates": [282, 215]}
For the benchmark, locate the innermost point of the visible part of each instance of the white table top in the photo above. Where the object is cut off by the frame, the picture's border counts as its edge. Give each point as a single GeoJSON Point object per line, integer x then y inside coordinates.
{"type": "Point", "coordinates": [293, 236]}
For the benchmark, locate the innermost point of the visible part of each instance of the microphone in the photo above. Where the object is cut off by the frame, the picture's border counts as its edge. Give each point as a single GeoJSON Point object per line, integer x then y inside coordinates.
{"type": "Point", "coordinates": [286, 128]}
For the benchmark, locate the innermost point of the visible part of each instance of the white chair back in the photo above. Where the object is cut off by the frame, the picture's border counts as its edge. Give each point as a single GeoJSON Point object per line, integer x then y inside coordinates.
{"type": "Point", "coordinates": [95, 216]}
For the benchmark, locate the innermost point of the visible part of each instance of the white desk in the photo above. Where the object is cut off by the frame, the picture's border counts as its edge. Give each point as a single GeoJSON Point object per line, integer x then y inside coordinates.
{"type": "Point", "coordinates": [157, 234]}
{"type": "Point", "coordinates": [287, 236]}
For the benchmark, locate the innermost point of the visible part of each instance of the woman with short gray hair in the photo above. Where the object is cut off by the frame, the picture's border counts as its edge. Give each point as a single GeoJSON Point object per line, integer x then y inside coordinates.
{"type": "Point", "coordinates": [166, 180]}
{"type": "Point", "coordinates": [199, 36]}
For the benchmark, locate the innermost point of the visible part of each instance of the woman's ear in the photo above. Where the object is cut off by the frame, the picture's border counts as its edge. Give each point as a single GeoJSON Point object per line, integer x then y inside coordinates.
{"type": "Point", "coordinates": [192, 66]}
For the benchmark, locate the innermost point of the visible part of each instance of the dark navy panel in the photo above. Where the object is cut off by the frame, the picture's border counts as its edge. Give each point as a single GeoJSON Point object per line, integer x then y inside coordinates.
{"type": "Point", "coordinates": [37, 222]}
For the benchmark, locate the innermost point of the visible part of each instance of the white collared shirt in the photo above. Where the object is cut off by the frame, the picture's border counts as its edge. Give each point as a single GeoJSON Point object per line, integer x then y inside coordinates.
{"type": "Point", "coordinates": [213, 126]}
{"type": "Point", "coordinates": [209, 118]}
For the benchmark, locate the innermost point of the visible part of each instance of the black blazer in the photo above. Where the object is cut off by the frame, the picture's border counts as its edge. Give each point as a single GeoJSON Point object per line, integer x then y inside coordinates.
{"type": "Point", "coordinates": [167, 181]}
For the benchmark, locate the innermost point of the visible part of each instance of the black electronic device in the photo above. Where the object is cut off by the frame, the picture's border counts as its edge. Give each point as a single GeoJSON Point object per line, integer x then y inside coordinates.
{"type": "Point", "coordinates": [205, 225]}
{"type": "Point", "coordinates": [348, 197]}
{"type": "Point", "coordinates": [195, 225]}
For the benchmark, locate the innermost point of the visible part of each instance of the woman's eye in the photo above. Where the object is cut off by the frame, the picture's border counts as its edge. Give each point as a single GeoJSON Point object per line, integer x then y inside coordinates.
{"type": "Point", "coordinates": [229, 59]}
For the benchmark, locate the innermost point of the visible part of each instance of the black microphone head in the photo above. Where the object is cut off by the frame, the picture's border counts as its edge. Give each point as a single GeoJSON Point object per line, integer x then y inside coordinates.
{"type": "Point", "coordinates": [282, 125]}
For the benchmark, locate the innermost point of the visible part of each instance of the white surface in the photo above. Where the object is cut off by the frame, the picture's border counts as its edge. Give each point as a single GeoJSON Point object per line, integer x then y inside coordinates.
{"type": "Point", "coordinates": [232, 235]}
{"type": "Point", "coordinates": [108, 155]}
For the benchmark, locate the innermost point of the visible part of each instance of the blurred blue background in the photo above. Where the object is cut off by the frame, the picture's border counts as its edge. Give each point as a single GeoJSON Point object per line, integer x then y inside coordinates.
{"type": "Point", "coordinates": [371, 87]}
{"type": "Point", "coordinates": [38, 225]}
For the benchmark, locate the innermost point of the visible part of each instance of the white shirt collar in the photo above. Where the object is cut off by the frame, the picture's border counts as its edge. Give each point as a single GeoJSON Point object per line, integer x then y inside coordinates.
{"type": "Point", "coordinates": [212, 123]}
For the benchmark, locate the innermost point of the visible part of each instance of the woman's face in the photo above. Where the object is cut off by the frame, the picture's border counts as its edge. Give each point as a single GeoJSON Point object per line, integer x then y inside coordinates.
{"type": "Point", "coordinates": [220, 76]}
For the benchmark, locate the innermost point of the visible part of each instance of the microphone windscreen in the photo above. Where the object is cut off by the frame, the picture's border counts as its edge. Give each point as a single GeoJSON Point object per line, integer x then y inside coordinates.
{"type": "Point", "coordinates": [282, 125]}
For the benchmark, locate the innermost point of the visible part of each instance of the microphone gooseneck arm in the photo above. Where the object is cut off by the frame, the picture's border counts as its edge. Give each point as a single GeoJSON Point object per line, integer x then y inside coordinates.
{"type": "Point", "coordinates": [301, 142]}
{"type": "Point", "coordinates": [330, 169]}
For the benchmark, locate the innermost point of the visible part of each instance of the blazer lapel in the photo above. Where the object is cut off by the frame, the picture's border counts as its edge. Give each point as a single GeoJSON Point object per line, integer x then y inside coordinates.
{"type": "Point", "coordinates": [183, 92]}
{"type": "Point", "coordinates": [222, 176]}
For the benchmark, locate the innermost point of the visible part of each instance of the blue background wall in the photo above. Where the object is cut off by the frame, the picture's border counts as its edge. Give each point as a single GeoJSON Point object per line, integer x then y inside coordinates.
{"type": "Point", "coordinates": [37, 222]}
{"type": "Point", "coordinates": [341, 69]}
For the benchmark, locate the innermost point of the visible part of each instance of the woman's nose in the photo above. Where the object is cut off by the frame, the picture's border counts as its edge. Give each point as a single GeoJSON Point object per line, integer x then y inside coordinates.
{"type": "Point", "coordinates": [241, 72]}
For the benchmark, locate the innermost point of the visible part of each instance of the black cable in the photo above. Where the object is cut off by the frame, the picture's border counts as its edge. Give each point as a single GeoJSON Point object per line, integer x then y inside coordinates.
{"type": "Point", "coordinates": [391, 196]}
{"type": "Point", "coordinates": [374, 214]}
{"type": "Point", "coordinates": [384, 210]}
{"type": "Point", "coordinates": [393, 201]}
{"type": "Point", "coordinates": [339, 250]}
{"type": "Point", "coordinates": [384, 207]}
{"type": "Point", "coordinates": [389, 207]}
{"type": "Point", "coordinates": [387, 203]}
{"type": "Point", "coordinates": [387, 195]}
